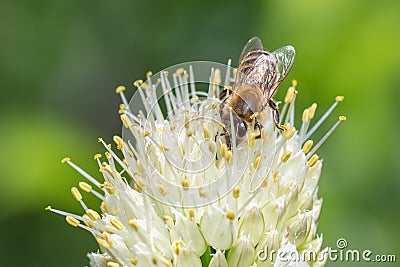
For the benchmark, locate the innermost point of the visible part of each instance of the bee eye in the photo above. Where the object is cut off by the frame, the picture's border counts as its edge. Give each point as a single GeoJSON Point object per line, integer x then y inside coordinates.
{"type": "Point", "coordinates": [241, 129]}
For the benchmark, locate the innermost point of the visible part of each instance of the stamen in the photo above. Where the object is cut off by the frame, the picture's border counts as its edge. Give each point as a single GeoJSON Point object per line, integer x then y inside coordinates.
{"type": "Point", "coordinates": [206, 131]}
{"type": "Point", "coordinates": [322, 119]}
{"type": "Point", "coordinates": [312, 110]}
{"type": "Point", "coordinates": [191, 214]}
{"type": "Point", "coordinates": [289, 133]}
{"type": "Point", "coordinates": [256, 162]}
{"type": "Point", "coordinates": [118, 141]}
{"type": "Point", "coordinates": [120, 90]}
{"type": "Point", "coordinates": [251, 139]}
{"type": "Point", "coordinates": [93, 214]}
{"type": "Point", "coordinates": [113, 264]}
{"type": "Point", "coordinates": [323, 139]}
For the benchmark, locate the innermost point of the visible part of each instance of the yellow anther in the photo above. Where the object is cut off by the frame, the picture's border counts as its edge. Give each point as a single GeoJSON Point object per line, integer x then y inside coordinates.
{"type": "Point", "coordinates": [137, 188]}
{"type": "Point", "coordinates": [117, 224]}
{"type": "Point", "coordinates": [137, 83]}
{"type": "Point", "coordinates": [146, 133]}
{"type": "Point", "coordinates": [306, 115]}
{"type": "Point", "coordinates": [104, 207]}
{"type": "Point", "coordinates": [168, 219]}
{"type": "Point", "coordinates": [294, 83]}
{"type": "Point", "coordinates": [132, 223]}
{"type": "Point", "coordinates": [118, 141]}
{"type": "Point", "coordinates": [224, 150]}
{"type": "Point", "coordinates": [202, 192]}
{"type": "Point", "coordinates": [177, 246]}
{"type": "Point", "coordinates": [65, 160]}
{"type": "Point", "coordinates": [100, 140]}
{"type": "Point", "coordinates": [312, 110]}
{"type": "Point", "coordinates": [179, 71]}
{"type": "Point", "coordinates": [166, 73]}
{"type": "Point", "coordinates": [307, 146]}
{"type": "Point", "coordinates": [289, 95]}
{"type": "Point", "coordinates": [251, 139]}
{"type": "Point", "coordinates": [206, 131]}
{"type": "Point", "coordinates": [148, 74]}
{"type": "Point", "coordinates": [93, 214]}
{"type": "Point", "coordinates": [134, 261]}
{"type": "Point", "coordinates": [276, 176]}
{"type": "Point", "coordinates": [254, 115]}
{"type": "Point", "coordinates": [119, 89]}
{"type": "Point", "coordinates": [154, 259]}
{"type": "Point", "coordinates": [85, 186]}
{"type": "Point", "coordinates": [162, 190]}
{"type": "Point", "coordinates": [236, 192]}
{"type": "Point", "coordinates": [146, 86]}
{"type": "Point", "coordinates": [212, 147]}
{"type": "Point", "coordinates": [342, 118]}
{"type": "Point", "coordinates": [257, 162]}
{"type": "Point", "coordinates": [140, 166]}
{"type": "Point", "coordinates": [97, 156]}
{"type": "Point", "coordinates": [230, 215]}
{"type": "Point", "coordinates": [286, 156]}
{"type": "Point", "coordinates": [88, 222]}
{"type": "Point", "coordinates": [191, 214]}
{"type": "Point", "coordinates": [185, 184]}
{"type": "Point", "coordinates": [47, 208]}
{"type": "Point", "coordinates": [112, 264]}
{"type": "Point", "coordinates": [228, 87]}
{"type": "Point", "coordinates": [339, 98]}
{"type": "Point", "coordinates": [311, 162]}
{"type": "Point", "coordinates": [289, 133]}
{"type": "Point", "coordinates": [72, 221]}
{"type": "Point", "coordinates": [126, 121]}
{"type": "Point", "coordinates": [102, 242]}
{"type": "Point", "coordinates": [76, 194]}
{"type": "Point", "coordinates": [234, 72]}
{"type": "Point", "coordinates": [228, 156]}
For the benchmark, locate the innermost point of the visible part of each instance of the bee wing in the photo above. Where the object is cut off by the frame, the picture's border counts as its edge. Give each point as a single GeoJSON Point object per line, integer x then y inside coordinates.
{"type": "Point", "coordinates": [252, 44]}
{"type": "Point", "coordinates": [284, 59]}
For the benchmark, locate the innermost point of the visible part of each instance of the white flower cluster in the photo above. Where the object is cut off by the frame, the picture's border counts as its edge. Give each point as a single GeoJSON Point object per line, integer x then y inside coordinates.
{"type": "Point", "coordinates": [179, 196]}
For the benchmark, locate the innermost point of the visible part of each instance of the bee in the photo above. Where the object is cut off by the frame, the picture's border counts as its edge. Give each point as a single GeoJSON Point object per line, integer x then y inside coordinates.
{"type": "Point", "coordinates": [258, 76]}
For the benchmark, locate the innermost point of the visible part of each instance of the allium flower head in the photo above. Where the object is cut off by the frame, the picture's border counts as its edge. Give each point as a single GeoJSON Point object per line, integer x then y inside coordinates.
{"type": "Point", "coordinates": [174, 194]}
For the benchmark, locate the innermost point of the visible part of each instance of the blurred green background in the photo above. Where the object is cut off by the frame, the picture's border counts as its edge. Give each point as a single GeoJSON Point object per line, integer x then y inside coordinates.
{"type": "Point", "coordinates": [61, 60]}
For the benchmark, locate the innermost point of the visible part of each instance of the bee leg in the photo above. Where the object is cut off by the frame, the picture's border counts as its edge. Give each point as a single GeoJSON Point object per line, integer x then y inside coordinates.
{"type": "Point", "coordinates": [259, 126]}
{"type": "Point", "coordinates": [275, 114]}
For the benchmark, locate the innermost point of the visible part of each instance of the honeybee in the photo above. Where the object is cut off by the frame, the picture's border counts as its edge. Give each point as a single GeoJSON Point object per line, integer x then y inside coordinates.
{"type": "Point", "coordinates": [258, 76]}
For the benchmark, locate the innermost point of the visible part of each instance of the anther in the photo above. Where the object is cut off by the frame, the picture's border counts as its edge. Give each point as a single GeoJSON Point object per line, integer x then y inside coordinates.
{"type": "Point", "coordinates": [294, 83]}
{"type": "Point", "coordinates": [286, 156]}
{"type": "Point", "coordinates": [76, 194]}
{"type": "Point", "coordinates": [102, 242]}
{"type": "Point", "coordinates": [119, 89]}
{"type": "Point", "coordinates": [162, 190]}
{"type": "Point", "coordinates": [312, 110]}
{"type": "Point", "coordinates": [257, 162]}
{"type": "Point", "coordinates": [230, 215]}
{"type": "Point", "coordinates": [236, 192]}
{"type": "Point", "coordinates": [312, 160]}
{"type": "Point", "coordinates": [117, 224]}
{"type": "Point", "coordinates": [137, 83]}
{"type": "Point", "coordinates": [307, 146]}
{"type": "Point", "coordinates": [342, 118]}
{"type": "Point", "coordinates": [206, 131]}
{"type": "Point", "coordinates": [185, 184]}
{"type": "Point", "coordinates": [65, 160]}
{"type": "Point", "coordinates": [154, 259]}
{"type": "Point", "coordinates": [85, 186]}
{"type": "Point", "coordinates": [112, 264]}
{"type": "Point", "coordinates": [132, 223]}
{"type": "Point", "coordinates": [251, 139]}
{"type": "Point", "coordinates": [306, 115]}
{"type": "Point", "coordinates": [149, 74]}
{"type": "Point", "coordinates": [289, 95]}
{"type": "Point", "coordinates": [289, 133]}
{"type": "Point", "coordinates": [191, 214]}
{"type": "Point", "coordinates": [93, 214]}
{"type": "Point", "coordinates": [224, 150]}
{"type": "Point", "coordinates": [72, 221]}
{"type": "Point", "coordinates": [97, 156]}
{"type": "Point", "coordinates": [88, 222]}
{"type": "Point", "coordinates": [118, 141]}
{"type": "Point", "coordinates": [134, 261]}
{"type": "Point", "coordinates": [339, 98]}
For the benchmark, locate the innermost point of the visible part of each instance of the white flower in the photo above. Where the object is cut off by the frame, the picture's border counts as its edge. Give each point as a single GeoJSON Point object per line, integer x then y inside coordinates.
{"type": "Point", "coordinates": [178, 196]}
